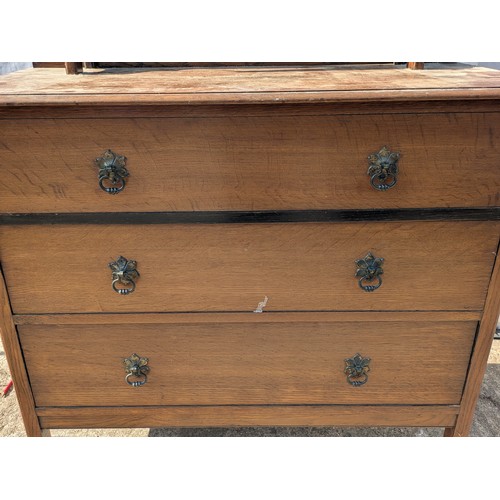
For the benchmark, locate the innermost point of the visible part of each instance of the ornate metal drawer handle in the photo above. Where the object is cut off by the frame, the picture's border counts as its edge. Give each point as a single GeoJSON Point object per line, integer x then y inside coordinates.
{"type": "Point", "coordinates": [112, 172]}
{"type": "Point", "coordinates": [383, 169]}
{"type": "Point", "coordinates": [124, 273]}
{"type": "Point", "coordinates": [135, 366]}
{"type": "Point", "coordinates": [369, 270]}
{"type": "Point", "coordinates": [356, 369]}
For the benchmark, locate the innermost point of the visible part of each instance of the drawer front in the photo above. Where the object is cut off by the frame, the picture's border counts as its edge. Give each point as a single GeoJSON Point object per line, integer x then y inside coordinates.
{"type": "Point", "coordinates": [250, 163]}
{"type": "Point", "coordinates": [233, 267]}
{"type": "Point", "coordinates": [248, 363]}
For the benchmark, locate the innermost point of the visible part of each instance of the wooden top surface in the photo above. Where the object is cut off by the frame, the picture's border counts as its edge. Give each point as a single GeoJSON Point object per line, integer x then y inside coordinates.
{"type": "Point", "coordinates": [48, 86]}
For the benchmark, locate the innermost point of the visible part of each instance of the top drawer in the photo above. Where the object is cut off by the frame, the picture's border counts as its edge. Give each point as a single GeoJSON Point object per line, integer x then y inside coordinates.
{"type": "Point", "coordinates": [250, 163]}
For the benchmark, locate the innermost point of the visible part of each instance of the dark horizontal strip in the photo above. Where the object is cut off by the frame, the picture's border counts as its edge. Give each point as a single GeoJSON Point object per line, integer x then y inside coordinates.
{"type": "Point", "coordinates": [231, 217]}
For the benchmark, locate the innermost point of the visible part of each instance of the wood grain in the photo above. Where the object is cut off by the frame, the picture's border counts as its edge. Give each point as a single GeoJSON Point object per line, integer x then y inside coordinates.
{"type": "Point", "coordinates": [480, 355]}
{"type": "Point", "coordinates": [236, 416]}
{"type": "Point", "coordinates": [47, 86]}
{"type": "Point", "coordinates": [279, 363]}
{"type": "Point", "coordinates": [232, 267]}
{"type": "Point", "coordinates": [68, 111]}
{"type": "Point", "coordinates": [245, 317]}
{"type": "Point", "coordinates": [16, 364]}
{"type": "Point", "coordinates": [250, 163]}
{"type": "Point", "coordinates": [222, 139]}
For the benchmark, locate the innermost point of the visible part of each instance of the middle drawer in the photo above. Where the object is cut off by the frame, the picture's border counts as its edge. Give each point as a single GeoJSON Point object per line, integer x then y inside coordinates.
{"type": "Point", "coordinates": [234, 267]}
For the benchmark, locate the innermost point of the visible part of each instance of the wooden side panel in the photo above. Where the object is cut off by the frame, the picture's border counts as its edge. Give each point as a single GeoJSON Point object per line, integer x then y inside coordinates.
{"type": "Point", "coordinates": [232, 267]}
{"type": "Point", "coordinates": [480, 355]}
{"type": "Point", "coordinates": [236, 416]}
{"type": "Point", "coordinates": [220, 364]}
{"type": "Point", "coordinates": [250, 162]}
{"type": "Point", "coordinates": [16, 364]}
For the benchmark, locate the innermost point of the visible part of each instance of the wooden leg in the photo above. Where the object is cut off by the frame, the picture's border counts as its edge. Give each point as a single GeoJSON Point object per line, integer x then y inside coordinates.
{"type": "Point", "coordinates": [480, 354]}
{"type": "Point", "coordinates": [415, 65]}
{"type": "Point", "coordinates": [449, 432]}
{"type": "Point", "coordinates": [16, 364]}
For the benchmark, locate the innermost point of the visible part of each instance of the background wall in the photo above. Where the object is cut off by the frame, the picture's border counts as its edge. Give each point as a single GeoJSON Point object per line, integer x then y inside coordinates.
{"type": "Point", "coordinates": [8, 67]}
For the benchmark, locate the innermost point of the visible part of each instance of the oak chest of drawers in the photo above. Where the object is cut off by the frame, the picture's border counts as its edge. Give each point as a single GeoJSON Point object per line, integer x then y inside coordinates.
{"type": "Point", "coordinates": [249, 246]}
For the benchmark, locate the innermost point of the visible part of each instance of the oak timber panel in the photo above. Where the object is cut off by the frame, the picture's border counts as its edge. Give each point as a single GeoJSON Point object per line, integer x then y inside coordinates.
{"type": "Point", "coordinates": [250, 162]}
{"type": "Point", "coordinates": [229, 85]}
{"type": "Point", "coordinates": [479, 359]}
{"type": "Point", "coordinates": [232, 267]}
{"type": "Point", "coordinates": [213, 364]}
{"type": "Point", "coordinates": [237, 416]}
{"type": "Point", "coordinates": [17, 368]}
{"type": "Point", "coordinates": [242, 317]}
{"type": "Point", "coordinates": [68, 111]}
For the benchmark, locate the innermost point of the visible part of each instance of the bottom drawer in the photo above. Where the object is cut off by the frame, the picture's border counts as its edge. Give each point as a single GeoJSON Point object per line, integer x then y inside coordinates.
{"type": "Point", "coordinates": [252, 363]}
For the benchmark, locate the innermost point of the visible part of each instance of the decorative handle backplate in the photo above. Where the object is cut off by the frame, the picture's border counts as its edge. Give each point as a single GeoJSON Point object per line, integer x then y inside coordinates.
{"type": "Point", "coordinates": [112, 172]}
{"type": "Point", "coordinates": [124, 273]}
{"type": "Point", "coordinates": [356, 369]}
{"type": "Point", "coordinates": [369, 271]}
{"type": "Point", "coordinates": [383, 169]}
{"type": "Point", "coordinates": [136, 367]}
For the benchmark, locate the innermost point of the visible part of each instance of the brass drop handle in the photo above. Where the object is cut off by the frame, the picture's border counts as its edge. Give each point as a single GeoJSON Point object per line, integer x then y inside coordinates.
{"type": "Point", "coordinates": [369, 271]}
{"type": "Point", "coordinates": [123, 274]}
{"type": "Point", "coordinates": [356, 369]}
{"type": "Point", "coordinates": [383, 169]}
{"type": "Point", "coordinates": [112, 172]}
{"type": "Point", "coordinates": [136, 368]}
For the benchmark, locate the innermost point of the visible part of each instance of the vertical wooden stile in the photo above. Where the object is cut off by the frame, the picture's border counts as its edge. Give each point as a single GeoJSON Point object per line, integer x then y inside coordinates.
{"type": "Point", "coordinates": [16, 364]}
